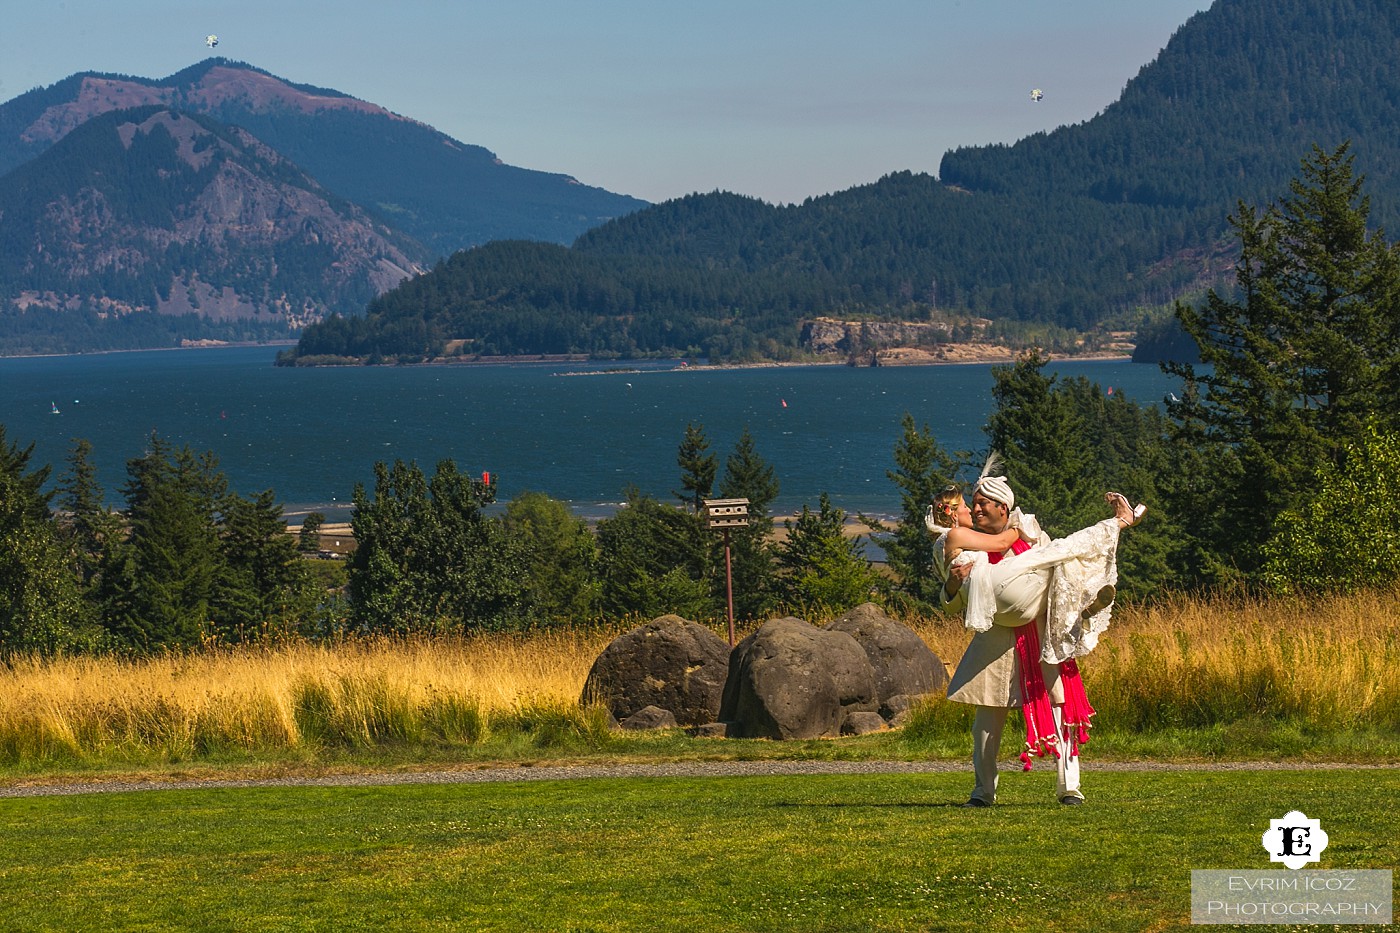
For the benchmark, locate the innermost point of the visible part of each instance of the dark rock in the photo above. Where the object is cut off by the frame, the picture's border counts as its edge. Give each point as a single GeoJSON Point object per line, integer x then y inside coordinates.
{"type": "Point", "coordinates": [649, 717]}
{"type": "Point", "coordinates": [901, 719]}
{"type": "Point", "coordinates": [792, 680]}
{"type": "Point", "coordinates": [902, 663]}
{"type": "Point", "coordinates": [669, 662]}
{"type": "Point", "coordinates": [710, 730]}
{"type": "Point", "coordinates": [863, 724]}
{"type": "Point", "coordinates": [899, 703]}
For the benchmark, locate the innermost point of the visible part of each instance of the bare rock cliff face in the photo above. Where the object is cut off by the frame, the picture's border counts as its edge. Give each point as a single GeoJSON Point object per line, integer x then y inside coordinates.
{"type": "Point", "coordinates": [220, 85]}
{"type": "Point", "coordinates": [190, 216]}
{"type": "Point", "coordinates": [828, 335]}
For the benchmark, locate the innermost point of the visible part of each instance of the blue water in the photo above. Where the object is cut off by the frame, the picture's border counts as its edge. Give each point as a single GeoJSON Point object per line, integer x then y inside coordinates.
{"type": "Point", "coordinates": [311, 434]}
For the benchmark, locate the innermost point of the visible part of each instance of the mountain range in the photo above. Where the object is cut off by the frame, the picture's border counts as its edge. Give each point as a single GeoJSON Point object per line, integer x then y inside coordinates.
{"type": "Point", "coordinates": [1055, 241]}
{"type": "Point", "coordinates": [241, 206]}
{"type": "Point", "coordinates": [238, 205]}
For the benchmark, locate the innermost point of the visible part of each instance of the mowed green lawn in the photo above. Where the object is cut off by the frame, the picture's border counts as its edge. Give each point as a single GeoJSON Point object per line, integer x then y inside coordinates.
{"type": "Point", "coordinates": [807, 853]}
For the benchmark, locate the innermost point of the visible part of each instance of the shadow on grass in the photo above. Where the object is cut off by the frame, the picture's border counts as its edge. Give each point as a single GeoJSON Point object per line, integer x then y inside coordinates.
{"type": "Point", "coordinates": [866, 805]}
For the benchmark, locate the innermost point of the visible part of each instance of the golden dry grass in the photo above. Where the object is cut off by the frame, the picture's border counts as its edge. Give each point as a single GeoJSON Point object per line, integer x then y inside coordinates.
{"type": "Point", "coordinates": [1333, 663]}
{"type": "Point", "coordinates": [1330, 664]}
{"type": "Point", "coordinates": [1188, 661]}
{"type": "Point", "coordinates": [355, 693]}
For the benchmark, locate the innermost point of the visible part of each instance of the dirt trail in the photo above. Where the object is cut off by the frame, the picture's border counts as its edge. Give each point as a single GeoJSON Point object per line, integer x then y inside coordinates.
{"type": "Point", "coordinates": [669, 769]}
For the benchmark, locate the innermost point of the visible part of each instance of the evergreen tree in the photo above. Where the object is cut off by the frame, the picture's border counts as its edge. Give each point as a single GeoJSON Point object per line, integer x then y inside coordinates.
{"type": "Point", "coordinates": [1043, 444]}
{"type": "Point", "coordinates": [1134, 458]}
{"type": "Point", "coordinates": [748, 476]}
{"type": "Point", "coordinates": [89, 528]}
{"type": "Point", "coordinates": [922, 469]}
{"type": "Point", "coordinates": [40, 606]}
{"type": "Point", "coordinates": [309, 538]}
{"type": "Point", "coordinates": [652, 559]}
{"type": "Point", "coordinates": [264, 587]}
{"type": "Point", "coordinates": [823, 569]}
{"type": "Point", "coordinates": [1296, 363]}
{"type": "Point", "coordinates": [698, 468]}
{"type": "Point", "coordinates": [157, 588]}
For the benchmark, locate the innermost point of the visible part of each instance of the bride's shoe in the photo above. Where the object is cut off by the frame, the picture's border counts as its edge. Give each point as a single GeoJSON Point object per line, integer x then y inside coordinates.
{"type": "Point", "coordinates": [1136, 513]}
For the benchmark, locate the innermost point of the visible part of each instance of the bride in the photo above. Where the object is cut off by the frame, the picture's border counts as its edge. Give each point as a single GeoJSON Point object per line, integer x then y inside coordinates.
{"type": "Point", "coordinates": [1075, 598]}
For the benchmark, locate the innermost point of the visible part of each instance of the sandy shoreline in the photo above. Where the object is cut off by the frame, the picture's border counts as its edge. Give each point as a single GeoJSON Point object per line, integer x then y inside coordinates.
{"type": "Point", "coordinates": [947, 355]}
{"type": "Point", "coordinates": [339, 539]}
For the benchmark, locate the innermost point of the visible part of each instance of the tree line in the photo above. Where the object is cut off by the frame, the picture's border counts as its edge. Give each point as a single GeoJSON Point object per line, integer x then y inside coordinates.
{"type": "Point", "coordinates": [1276, 470]}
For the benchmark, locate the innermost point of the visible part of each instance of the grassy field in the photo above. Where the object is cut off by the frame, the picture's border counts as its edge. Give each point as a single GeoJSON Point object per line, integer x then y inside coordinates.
{"type": "Point", "coordinates": [1287, 681]}
{"type": "Point", "coordinates": [834, 853]}
{"type": "Point", "coordinates": [1216, 679]}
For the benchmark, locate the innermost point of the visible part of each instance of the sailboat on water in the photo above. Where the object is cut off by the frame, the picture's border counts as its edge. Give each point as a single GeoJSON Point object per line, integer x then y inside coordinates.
{"type": "Point", "coordinates": [53, 406]}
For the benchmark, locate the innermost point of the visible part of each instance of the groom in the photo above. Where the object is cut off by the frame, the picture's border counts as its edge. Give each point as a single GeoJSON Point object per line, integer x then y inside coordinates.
{"type": "Point", "coordinates": [989, 674]}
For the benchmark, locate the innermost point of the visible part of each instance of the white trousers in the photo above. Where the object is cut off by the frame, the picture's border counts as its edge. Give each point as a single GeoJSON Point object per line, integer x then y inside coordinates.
{"type": "Point", "coordinates": [987, 726]}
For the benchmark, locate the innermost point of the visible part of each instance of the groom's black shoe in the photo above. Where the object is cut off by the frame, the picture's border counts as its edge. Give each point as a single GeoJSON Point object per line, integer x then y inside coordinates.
{"type": "Point", "coordinates": [974, 802]}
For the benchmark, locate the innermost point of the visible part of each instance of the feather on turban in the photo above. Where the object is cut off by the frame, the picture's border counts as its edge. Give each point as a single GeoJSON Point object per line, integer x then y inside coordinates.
{"type": "Point", "coordinates": [995, 488]}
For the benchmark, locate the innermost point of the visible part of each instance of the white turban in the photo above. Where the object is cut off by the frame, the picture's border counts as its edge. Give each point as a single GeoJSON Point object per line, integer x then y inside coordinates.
{"type": "Point", "coordinates": [997, 489]}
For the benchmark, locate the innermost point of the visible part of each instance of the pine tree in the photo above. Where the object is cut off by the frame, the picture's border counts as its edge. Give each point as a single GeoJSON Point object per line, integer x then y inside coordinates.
{"type": "Point", "coordinates": [748, 476]}
{"type": "Point", "coordinates": [39, 602]}
{"type": "Point", "coordinates": [157, 587]}
{"type": "Point", "coordinates": [1296, 362]}
{"type": "Point", "coordinates": [89, 528]}
{"type": "Point", "coordinates": [698, 468]}
{"type": "Point", "coordinates": [309, 537]}
{"type": "Point", "coordinates": [823, 569]}
{"type": "Point", "coordinates": [922, 469]}
{"type": "Point", "coordinates": [264, 587]}
{"type": "Point", "coordinates": [1043, 444]}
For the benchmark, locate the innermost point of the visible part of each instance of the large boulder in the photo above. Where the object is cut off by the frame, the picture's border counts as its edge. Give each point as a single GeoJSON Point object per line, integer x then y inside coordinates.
{"type": "Point", "coordinates": [792, 680]}
{"type": "Point", "coordinates": [670, 662]}
{"type": "Point", "coordinates": [903, 665]}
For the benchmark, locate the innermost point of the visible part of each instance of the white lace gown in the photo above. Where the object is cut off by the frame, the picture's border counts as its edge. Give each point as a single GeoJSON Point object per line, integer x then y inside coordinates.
{"type": "Point", "coordinates": [1080, 565]}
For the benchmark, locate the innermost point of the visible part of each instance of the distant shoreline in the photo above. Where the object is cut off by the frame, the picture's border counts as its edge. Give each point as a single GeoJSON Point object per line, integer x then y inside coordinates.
{"type": "Point", "coordinates": [990, 356]}
{"type": "Point", "coordinates": [965, 355]}
{"type": "Point", "coordinates": [216, 345]}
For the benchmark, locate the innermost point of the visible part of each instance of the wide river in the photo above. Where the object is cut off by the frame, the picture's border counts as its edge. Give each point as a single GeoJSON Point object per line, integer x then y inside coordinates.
{"type": "Point", "coordinates": [578, 432]}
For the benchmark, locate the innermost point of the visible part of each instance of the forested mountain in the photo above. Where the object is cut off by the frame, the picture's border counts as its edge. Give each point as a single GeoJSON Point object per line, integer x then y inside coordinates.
{"type": "Point", "coordinates": [1083, 226]}
{"type": "Point", "coordinates": [151, 210]}
{"type": "Point", "coordinates": [446, 194]}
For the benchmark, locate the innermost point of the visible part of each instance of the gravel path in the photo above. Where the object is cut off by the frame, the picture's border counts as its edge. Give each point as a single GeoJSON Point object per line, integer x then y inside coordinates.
{"type": "Point", "coordinates": [671, 769]}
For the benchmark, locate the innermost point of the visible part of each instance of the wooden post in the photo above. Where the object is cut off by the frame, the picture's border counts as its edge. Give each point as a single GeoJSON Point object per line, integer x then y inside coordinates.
{"type": "Point", "coordinates": [729, 586]}
{"type": "Point", "coordinates": [724, 515]}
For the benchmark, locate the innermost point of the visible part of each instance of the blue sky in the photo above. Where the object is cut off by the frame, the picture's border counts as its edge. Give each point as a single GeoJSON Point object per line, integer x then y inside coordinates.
{"type": "Point", "coordinates": [779, 99]}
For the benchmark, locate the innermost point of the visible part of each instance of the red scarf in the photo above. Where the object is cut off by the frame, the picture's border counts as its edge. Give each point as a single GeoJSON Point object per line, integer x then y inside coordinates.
{"type": "Point", "coordinates": [1035, 700]}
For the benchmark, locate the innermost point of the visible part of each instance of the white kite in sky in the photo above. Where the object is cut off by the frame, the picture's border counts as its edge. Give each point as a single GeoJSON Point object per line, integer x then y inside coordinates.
{"type": "Point", "coordinates": [211, 41]}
